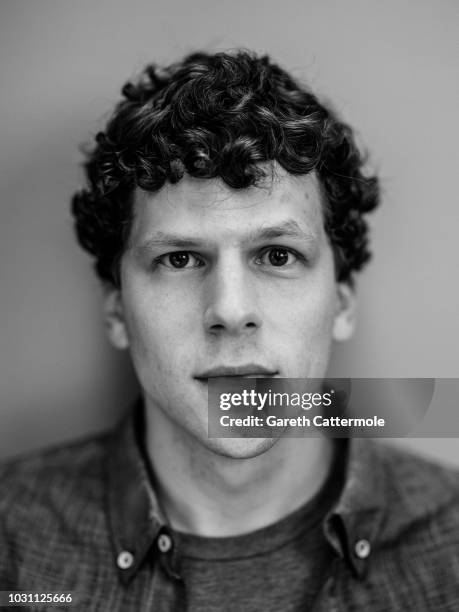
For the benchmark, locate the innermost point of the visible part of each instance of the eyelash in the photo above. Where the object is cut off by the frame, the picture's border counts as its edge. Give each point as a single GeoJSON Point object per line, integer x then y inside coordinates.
{"type": "Point", "coordinates": [161, 259]}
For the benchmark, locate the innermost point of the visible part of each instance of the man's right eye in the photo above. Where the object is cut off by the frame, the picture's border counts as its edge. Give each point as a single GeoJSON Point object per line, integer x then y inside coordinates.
{"type": "Point", "coordinates": [179, 260]}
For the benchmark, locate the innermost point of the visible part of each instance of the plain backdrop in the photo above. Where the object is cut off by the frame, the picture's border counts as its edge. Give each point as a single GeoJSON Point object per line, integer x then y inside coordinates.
{"type": "Point", "coordinates": [390, 68]}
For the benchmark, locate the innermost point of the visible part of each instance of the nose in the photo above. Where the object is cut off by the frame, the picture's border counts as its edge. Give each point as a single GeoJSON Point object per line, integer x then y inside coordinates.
{"type": "Point", "coordinates": [232, 305]}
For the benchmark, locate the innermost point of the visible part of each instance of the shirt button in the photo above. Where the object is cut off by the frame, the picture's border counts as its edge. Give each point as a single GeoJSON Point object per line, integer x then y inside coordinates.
{"type": "Point", "coordinates": [362, 549]}
{"type": "Point", "coordinates": [164, 543]}
{"type": "Point", "coordinates": [125, 559]}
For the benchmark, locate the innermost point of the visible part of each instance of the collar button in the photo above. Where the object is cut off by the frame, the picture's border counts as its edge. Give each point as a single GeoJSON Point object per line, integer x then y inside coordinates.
{"type": "Point", "coordinates": [362, 549]}
{"type": "Point", "coordinates": [164, 543]}
{"type": "Point", "coordinates": [125, 559]}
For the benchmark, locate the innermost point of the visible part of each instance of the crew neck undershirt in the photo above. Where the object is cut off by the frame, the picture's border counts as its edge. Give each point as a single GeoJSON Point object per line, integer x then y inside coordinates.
{"type": "Point", "coordinates": [278, 567]}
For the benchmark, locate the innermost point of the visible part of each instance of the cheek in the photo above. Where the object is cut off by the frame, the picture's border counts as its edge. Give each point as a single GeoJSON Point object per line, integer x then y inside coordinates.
{"type": "Point", "coordinates": [310, 330]}
{"type": "Point", "coordinates": [158, 328]}
{"type": "Point", "coordinates": [302, 323]}
{"type": "Point", "coordinates": [306, 310]}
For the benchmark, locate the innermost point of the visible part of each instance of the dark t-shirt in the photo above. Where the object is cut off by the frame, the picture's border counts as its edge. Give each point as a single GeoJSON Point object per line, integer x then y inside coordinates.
{"type": "Point", "coordinates": [279, 567]}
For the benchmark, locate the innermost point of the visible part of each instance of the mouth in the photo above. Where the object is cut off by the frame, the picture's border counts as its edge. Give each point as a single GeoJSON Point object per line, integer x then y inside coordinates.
{"type": "Point", "coordinates": [243, 371]}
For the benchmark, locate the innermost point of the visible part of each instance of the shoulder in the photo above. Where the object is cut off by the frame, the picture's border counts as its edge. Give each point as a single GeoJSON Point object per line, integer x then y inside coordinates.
{"type": "Point", "coordinates": [419, 525]}
{"type": "Point", "coordinates": [410, 524]}
{"type": "Point", "coordinates": [70, 458]}
{"type": "Point", "coordinates": [51, 506]}
{"type": "Point", "coordinates": [417, 487]}
{"type": "Point", "coordinates": [52, 481]}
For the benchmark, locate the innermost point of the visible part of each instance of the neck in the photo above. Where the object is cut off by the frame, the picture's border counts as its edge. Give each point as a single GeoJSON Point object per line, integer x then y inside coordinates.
{"type": "Point", "coordinates": [209, 494]}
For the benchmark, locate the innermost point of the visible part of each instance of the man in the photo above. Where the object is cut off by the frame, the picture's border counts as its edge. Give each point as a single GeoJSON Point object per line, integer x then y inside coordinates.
{"type": "Point", "coordinates": [225, 211]}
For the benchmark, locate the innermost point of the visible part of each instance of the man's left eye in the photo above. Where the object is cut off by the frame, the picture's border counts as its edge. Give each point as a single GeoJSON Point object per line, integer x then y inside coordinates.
{"type": "Point", "coordinates": [278, 257]}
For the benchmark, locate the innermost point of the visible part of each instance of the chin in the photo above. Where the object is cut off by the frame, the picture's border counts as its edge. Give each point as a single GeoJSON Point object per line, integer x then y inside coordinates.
{"type": "Point", "coordinates": [239, 448]}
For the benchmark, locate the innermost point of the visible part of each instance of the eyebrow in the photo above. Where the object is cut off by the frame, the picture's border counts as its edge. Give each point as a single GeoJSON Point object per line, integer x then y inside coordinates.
{"type": "Point", "coordinates": [289, 229]}
{"type": "Point", "coordinates": [161, 239]}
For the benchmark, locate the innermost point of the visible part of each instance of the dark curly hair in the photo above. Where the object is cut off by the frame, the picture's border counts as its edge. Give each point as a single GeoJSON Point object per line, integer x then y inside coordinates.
{"type": "Point", "coordinates": [221, 115]}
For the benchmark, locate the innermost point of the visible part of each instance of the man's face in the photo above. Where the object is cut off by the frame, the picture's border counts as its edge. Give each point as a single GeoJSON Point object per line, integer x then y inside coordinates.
{"type": "Point", "coordinates": [220, 281]}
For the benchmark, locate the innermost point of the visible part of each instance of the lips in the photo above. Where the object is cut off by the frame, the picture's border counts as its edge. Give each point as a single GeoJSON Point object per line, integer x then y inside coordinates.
{"type": "Point", "coordinates": [242, 371]}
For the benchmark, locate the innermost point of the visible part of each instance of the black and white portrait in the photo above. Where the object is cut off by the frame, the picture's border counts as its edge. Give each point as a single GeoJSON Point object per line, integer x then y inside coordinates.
{"type": "Point", "coordinates": [203, 199]}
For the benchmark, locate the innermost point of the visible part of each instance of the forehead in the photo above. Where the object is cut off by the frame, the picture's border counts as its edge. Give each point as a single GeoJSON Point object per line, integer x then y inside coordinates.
{"type": "Point", "coordinates": [211, 209]}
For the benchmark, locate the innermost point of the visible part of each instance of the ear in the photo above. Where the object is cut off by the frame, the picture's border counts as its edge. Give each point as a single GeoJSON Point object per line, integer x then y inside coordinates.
{"type": "Point", "coordinates": [114, 319]}
{"type": "Point", "coordinates": [345, 316]}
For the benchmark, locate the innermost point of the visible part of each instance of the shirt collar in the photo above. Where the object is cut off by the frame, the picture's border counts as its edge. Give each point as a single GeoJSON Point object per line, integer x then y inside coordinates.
{"type": "Point", "coordinates": [354, 521]}
{"type": "Point", "coordinates": [136, 518]}
{"type": "Point", "coordinates": [134, 513]}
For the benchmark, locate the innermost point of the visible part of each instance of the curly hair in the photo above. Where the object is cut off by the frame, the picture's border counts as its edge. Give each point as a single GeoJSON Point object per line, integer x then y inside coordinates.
{"type": "Point", "coordinates": [221, 115]}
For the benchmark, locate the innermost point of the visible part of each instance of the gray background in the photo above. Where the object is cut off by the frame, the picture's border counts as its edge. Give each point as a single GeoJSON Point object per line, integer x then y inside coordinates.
{"type": "Point", "coordinates": [389, 67]}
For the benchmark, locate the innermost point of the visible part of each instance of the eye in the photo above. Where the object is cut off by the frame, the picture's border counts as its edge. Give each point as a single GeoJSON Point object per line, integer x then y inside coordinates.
{"type": "Point", "coordinates": [179, 260]}
{"type": "Point", "coordinates": [278, 257]}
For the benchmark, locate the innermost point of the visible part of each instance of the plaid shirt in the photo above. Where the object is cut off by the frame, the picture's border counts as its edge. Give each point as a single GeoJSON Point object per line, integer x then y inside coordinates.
{"type": "Point", "coordinates": [84, 519]}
